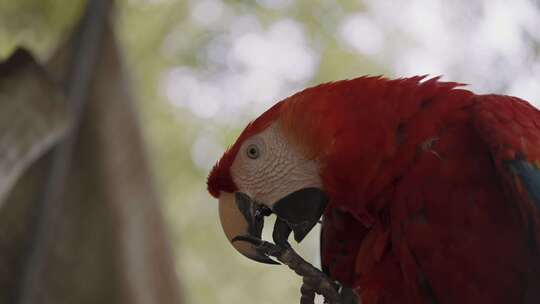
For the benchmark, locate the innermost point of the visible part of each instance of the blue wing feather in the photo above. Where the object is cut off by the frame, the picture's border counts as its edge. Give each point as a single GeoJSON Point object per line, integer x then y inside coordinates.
{"type": "Point", "coordinates": [530, 176]}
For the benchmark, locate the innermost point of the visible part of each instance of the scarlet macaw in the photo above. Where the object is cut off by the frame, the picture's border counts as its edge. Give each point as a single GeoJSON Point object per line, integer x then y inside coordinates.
{"type": "Point", "coordinates": [429, 193]}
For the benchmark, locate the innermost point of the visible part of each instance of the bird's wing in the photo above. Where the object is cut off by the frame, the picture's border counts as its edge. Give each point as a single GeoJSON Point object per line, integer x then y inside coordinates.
{"type": "Point", "coordinates": [511, 129]}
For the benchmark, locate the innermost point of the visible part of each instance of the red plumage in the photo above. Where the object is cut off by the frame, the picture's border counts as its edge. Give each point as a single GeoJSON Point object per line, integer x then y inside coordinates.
{"type": "Point", "coordinates": [423, 206]}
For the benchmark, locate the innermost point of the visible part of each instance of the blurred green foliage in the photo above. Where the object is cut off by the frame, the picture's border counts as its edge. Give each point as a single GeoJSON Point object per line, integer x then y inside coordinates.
{"type": "Point", "coordinates": [38, 25]}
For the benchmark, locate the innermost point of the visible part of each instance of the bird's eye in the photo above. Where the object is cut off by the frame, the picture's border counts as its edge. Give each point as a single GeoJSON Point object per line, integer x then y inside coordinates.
{"type": "Point", "coordinates": [253, 152]}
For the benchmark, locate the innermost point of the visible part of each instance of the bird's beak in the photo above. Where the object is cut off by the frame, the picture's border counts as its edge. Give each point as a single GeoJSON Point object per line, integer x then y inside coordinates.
{"type": "Point", "coordinates": [242, 219]}
{"type": "Point", "coordinates": [301, 210]}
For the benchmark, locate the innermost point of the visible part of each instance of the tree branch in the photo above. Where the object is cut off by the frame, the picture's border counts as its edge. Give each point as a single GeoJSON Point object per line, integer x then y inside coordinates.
{"type": "Point", "coordinates": [84, 54]}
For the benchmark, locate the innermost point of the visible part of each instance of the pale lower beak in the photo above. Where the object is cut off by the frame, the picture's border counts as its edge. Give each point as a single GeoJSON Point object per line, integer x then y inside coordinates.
{"type": "Point", "coordinates": [241, 217]}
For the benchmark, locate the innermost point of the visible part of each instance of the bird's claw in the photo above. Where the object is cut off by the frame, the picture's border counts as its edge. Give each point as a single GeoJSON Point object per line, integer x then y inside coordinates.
{"type": "Point", "coordinates": [314, 281]}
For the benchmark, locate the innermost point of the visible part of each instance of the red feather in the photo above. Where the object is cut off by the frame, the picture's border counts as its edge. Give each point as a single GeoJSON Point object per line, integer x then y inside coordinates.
{"type": "Point", "coordinates": [412, 162]}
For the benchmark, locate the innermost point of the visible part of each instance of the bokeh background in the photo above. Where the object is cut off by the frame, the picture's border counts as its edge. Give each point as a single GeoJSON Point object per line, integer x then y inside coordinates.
{"type": "Point", "coordinates": [201, 69]}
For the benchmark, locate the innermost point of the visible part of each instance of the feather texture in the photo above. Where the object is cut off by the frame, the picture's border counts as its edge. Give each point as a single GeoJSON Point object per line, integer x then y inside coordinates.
{"type": "Point", "coordinates": [449, 219]}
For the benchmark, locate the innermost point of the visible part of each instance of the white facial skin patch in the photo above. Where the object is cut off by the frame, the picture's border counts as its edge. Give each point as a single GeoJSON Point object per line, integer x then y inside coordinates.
{"type": "Point", "coordinates": [268, 167]}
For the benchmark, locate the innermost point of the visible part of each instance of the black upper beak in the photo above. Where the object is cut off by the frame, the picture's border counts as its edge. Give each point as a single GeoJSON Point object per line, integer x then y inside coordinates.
{"type": "Point", "coordinates": [301, 210]}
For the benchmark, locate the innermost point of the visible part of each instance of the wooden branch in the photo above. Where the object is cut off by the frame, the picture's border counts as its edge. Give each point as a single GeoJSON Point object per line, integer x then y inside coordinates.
{"type": "Point", "coordinates": [84, 54]}
{"type": "Point", "coordinates": [96, 234]}
{"type": "Point", "coordinates": [33, 117]}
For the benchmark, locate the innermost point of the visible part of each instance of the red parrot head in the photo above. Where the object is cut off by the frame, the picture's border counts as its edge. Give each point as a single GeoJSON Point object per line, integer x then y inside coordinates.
{"type": "Point", "coordinates": [266, 171]}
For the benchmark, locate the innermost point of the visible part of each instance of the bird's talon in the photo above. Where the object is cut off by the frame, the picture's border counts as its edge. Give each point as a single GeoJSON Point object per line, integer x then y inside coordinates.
{"type": "Point", "coordinates": [314, 280]}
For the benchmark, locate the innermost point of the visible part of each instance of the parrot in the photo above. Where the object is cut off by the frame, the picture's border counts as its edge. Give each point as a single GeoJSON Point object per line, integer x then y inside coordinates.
{"type": "Point", "coordinates": [425, 191]}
